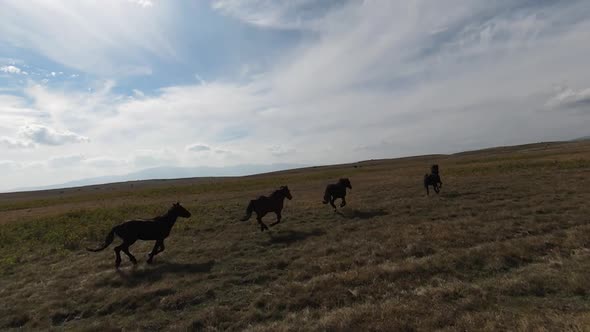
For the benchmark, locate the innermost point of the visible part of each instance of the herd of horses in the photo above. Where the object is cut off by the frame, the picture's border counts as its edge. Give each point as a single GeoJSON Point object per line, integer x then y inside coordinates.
{"type": "Point", "coordinates": [158, 228]}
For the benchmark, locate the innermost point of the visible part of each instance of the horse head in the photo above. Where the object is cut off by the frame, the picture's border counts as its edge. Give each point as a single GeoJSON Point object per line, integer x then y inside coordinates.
{"type": "Point", "coordinates": [286, 192]}
{"type": "Point", "coordinates": [345, 182]}
{"type": "Point", "coordinates": [179, 210]}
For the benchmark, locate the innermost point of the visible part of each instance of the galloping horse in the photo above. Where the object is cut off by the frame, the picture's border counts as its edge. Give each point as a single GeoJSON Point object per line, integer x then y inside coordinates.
{"type": "Point", "coordinates": [335, 191]}
{"type": "Point", "coordinates": [432, 179]}
{"type": "Point", "coordinates": [157, 228]}
{"type": "Point", "coordinates": [263, 205]}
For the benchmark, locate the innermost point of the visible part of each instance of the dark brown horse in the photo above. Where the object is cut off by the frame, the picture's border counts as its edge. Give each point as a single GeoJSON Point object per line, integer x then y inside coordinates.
{"type": "Point", "coordinates": [157, 229]}
{"type": "Point", "coordinates": [263, 205]}
{"type": "Point", "coordinates": [432, 179]}
{"type": "Point", "coordinates": [335, 191]}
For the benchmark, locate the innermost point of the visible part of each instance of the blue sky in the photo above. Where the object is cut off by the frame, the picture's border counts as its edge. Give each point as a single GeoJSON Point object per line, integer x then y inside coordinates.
{"type": "Point", "coordinates": [91, 88]}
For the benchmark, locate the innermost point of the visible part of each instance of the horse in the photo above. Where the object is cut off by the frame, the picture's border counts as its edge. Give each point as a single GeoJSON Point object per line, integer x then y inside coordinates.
{"type": "Point", "coordinates": [432, 179]}
{"type": "Point", "coordinates": [263, 205]}
{"type": "Point", "coordinates": [335, 191]}
{"type": "Point", "coordinates": [157, 229]}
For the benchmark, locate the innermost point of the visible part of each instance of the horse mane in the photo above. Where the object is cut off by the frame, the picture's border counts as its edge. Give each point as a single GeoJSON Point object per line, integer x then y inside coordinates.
{"type": "Point", "coordinates": [277, 192]}
{"type": "Point", "coordinates": [344, 182]}
{"type": "Point", "coordinates": [169, 214]}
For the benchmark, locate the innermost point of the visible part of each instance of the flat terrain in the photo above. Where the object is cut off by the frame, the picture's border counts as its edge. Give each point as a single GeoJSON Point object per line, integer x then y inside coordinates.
{"type": "Point", "coordinates": [505, 246]}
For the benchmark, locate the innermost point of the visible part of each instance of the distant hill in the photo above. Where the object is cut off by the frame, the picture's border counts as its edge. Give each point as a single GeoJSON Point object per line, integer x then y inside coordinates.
{"type": "Point", "coordinates": [585, 138]}
{"type": "Point", "coordinates": [171, 173]}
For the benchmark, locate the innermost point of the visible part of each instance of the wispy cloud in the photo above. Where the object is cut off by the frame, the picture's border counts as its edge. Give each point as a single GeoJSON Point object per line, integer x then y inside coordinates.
{"type": "Point", "coordinates": [106, 37]}
{"type": "Point", "coordinates": [280, 14]}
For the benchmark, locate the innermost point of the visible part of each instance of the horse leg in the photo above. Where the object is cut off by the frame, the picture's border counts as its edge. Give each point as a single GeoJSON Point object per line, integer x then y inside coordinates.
{"type": "Point", "coordinates": [278, 219]}
{"type": "Point", "coordinates": [343, 203]}
{"type": "Point", "coordinates": [125, 248]}
{"type": "Point", "coordinates": [118, 256]}
{"type": "Point", "coordinates": [161, 247]}
{"type": "Point", "coordinates": [332, 199]}
{"type": "Point", "coordinates": [154, 251]}
{"type": "Point", "coordinates": [262, 225]}
{"type": "Point", "coordinates": [436, 189]}
{"type": "Point", "coordinates": [427, 191]}
{"type": "Point", "coordinates": [131, 257]}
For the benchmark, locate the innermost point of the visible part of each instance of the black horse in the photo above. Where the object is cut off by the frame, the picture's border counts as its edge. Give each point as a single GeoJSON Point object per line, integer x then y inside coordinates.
{"type": "Point", "coordinates": [130, 231]}
{"type": "Point", "coordinates": [263, 205]}
{"type": "Point", "coordinates": [335, 191]}
{"type": "Point", "coordinates": [432, 179]}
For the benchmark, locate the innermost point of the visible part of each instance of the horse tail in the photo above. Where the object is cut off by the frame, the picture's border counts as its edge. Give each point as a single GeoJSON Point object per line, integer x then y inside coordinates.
{"type": "Point", "coordinates": [326, 195]}
{"type": "Point", "coordinates": [107, 241]}
{"type": "Point", "coordinates": [249, 211]}
{"type": "Point", "coordinates": [425, 180]}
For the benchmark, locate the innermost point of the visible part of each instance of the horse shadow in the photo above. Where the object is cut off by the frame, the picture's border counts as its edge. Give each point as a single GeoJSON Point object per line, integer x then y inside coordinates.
{"type": "Point", "coordinates": [362, 214]}
{"type": "Point", "coordinates": [457, 194]}
{"type": "Point", "coordinates": [155, 272]}
{"type": "Point", "coordinates": [289, 237]}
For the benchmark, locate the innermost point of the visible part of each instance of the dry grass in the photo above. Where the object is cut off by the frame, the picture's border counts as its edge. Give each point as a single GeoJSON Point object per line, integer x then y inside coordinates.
{"type": "Point", "coordinates": [506, 246]}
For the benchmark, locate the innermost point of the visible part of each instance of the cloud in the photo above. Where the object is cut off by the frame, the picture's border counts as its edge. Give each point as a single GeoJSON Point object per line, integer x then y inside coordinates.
{"type": "Point", "coordinates": [107, 38]}
{"type": "Point", "coordinates": [138, 93]}
{"type": "Point", "coordinates": [105, 162]}
{"type": "Point", "coordinates": [12, 70]}
{"type": "Point", "coordinates": [198, 147]}
{"type": "Point", "coordinates": [66, 161]}
{"type": "Point", "coordinates": [280, 151]}
{"type": "Point", "coordinates": [279, 14]}
{"type": "Point", "coordinates": [12, 143]}
{"type": "Point", "coordinates": [142, 3]}
{"type": "Point", "coordinates": [43, 135]}
{"type": "Point", "coordinates": [8, 165]}
{"type": "Point", "coordinates": [145, 158]}
{"type": "Point", "coordinates": [570, 98]}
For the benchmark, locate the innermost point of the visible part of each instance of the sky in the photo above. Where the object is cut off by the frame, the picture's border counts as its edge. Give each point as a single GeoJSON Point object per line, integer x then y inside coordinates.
{"type": "Point", "coordinates": [95, 88]}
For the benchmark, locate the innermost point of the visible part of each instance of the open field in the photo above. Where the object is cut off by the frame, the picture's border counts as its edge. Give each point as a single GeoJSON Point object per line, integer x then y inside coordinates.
{"type": "Point", "coordinates": [505, 246]}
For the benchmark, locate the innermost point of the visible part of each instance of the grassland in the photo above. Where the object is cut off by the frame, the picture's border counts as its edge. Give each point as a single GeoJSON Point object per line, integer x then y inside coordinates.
{"type": "Point", "coordinates": [505, 246]}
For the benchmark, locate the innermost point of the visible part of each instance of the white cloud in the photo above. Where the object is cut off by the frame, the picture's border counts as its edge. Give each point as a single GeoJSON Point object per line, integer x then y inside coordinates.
{"type": "Point", "coordinates": [13, 143]}
{"type": "Point", "coordinates": [142, 3]}
{"type": "Point", "coordinates": [12, 70]}
{"type": "Point", "coordinates": [44, 135]}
